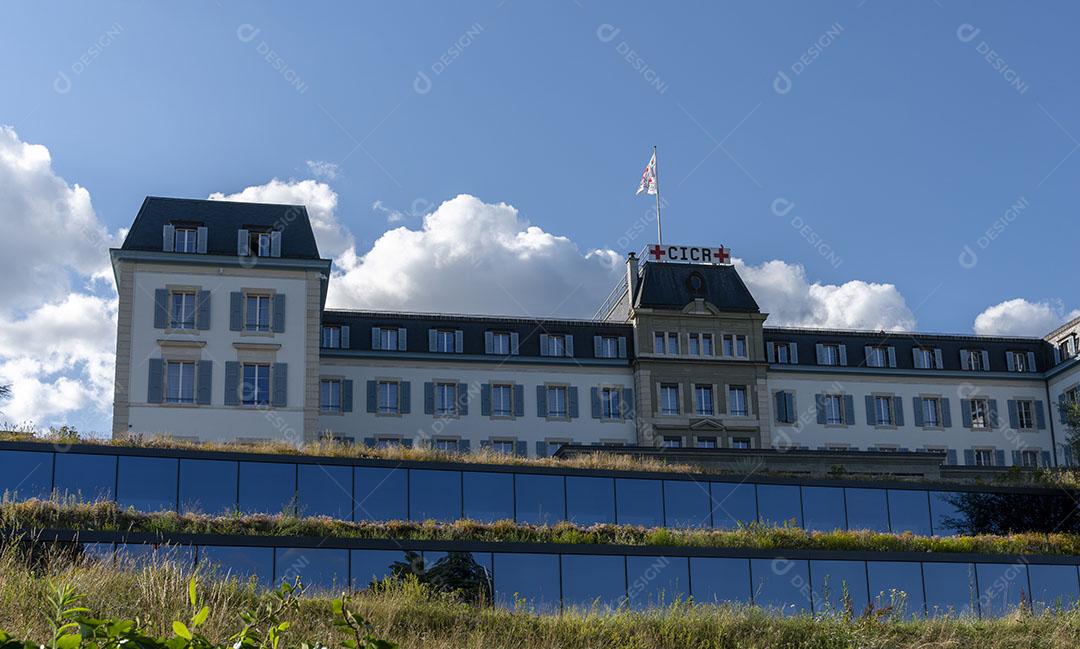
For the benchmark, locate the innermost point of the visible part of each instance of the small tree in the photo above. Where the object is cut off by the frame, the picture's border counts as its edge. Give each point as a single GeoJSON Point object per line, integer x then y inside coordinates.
{"type": "Point", "coordinates": [1070, 412]}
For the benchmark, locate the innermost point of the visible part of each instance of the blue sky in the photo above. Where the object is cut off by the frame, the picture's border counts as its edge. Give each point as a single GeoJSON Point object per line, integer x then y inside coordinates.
{"type": "Point", "coordinates": [907, 131]}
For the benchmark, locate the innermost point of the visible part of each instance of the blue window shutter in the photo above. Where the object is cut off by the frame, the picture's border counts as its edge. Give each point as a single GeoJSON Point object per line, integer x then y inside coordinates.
{"type": "Point", "coordinates": [236, 311]}
{"type": "Point", "coordinates": [200, 239]}
{"type": "Point", "coordinates": [569, 345]}
{"type": "Point", "coordinates": [594, 401]}
{"type": "Point", "coordinates": [1014, 417]}
{"type": "Point", "coordinates": [622, 346]}
{"type": "Point", "coordinates": [275, 243]}
{"type": "Point", "coordinates": [843, 355]}
{"type": "Point", "coordinates": [346, 395]}
{"type": "Point", "coordinates": [819, 402]}
{"type": "Point", "coordinates": [780, 405]}
{"type": "Point", "coordinates": [965, 410]}
{"type": "Point", "coordinates": [1040, 416]}
{"type": "Point", "coordinates": [205, 383]}
{"type": "Point", "coordinates": [372, 396]}
{"type": "Point", "coordinates": [891, 353]}
{"type": "Point", "coordinates": [994, 421]}
{"type": "Point", "coordinates": [916, 358]}
{"type": "Point", "coordinates": [820, 353]}
{"type": "Point", "coordinates": [793, 349]}
{"type": "Point", "coordinates": [789, 406]}
{"type": "Point", "coordinates": [402, 339]}
{"type": "Point", "coordinates": [541, 449]}
{"type": "Point", "coordinates": [514, 347]}
{"type": "Point", "coordinates": [1046, 459]}
{"type": "Point", "coordinates": [939, 363]}
{"type": "Point", "coordinates": [1063, 405]}
{"type": "Point", "coordinates": [916, 409]}
{"type": "Point", "coordinates": [489, 342]}
{"type": "Point", "coordinates": [463, 399]}
{"type": "Point", "coordinates": [521, 449]}
{"type": "Point", "coordinates": [849, 410]}
{"type": "Point", "coordinates": [432, 340]}
{"type": "Point", "coordinates": [946, 413]}
{"type": "Point", "coordinates": [280, 397]}
{"type": "Point", "coordinates": [999, 458]}
{"type": "Point", "coordinates": [168, 235]}
{"type": "Point", "coordinates": [597, 343]}
{"type": "Point", "coordinates": [1031, 362]}
{"type": "Point", "coordinates": [369, 442]}
{"type": "Point", "coordinates": [1016, 458]}
{"type": "Point", "coordinates": [155, 381]}
{"type": "Point", "coordinates": [202, 310]}
{"type": "Point", "coordinates": [463, 446]}
{"type": "Point", "coordinates": [243, 243]}
{"type": "Point", "coordinates": [345, 342]}
{"type": "Point", "coordinates": [965, 359]}
{"type": "Point", "coordinates": [770, 352]}
{"type": "Point", "coordinates": [161, 308]}
{"type": "Point", "coordinates": [405, 397]}
{"type": "Point", "coordinates": [541, 401]}
{"type": "Point", "coordinates": [573, 402]}
{"type": "Point", "coordinates": [870, 418]}
{"type": "Point", "coordinates": [628, 407]}
{"type": "Point", "coordinates": [232, 383]}
{"type": "Point", "coordinates": [898, 411]}
{"type": "Point", "coordinates": [459, 341]}
{"type": "Point", "coordinates": [519, 400]}
{"type": "Point", "coordinates": [950, 456]}
{"type": "Point", "coordinates": [376, 340]}
{"type": "Point", "coordinates": [1010, 362]}
{"type": "Point", "coordinates": [429, 398]}
{"type": "Point", "coordinates": [985, 360]}
{"type": "Point", "coordinates": [969, 457]}
{"type": "Point", "coordinates": [544, 348]}
{"type": "Point", "coordinates": [279, 313]}
{"type": "Point", "coordinates": [485, 399]}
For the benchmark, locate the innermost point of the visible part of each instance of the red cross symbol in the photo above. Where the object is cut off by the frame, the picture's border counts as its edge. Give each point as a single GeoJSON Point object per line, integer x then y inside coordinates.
{"type": "Point", "coordinates": [657, 252]}
{"type": "Point", "coordinates": [722, 255]}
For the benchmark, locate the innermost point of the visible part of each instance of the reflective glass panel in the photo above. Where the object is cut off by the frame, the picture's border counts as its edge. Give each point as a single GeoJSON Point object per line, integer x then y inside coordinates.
{"type": "Point", "coordinates": [866, 509]}
{"type": "Point", "coordinates": [208, 486]}
{"type": "Point", "coordinates": [823, 508]}
{"type": "Point", "coordinates": [267, 487]}
{"type": "Point", "coordinates": [717, 580]}
{"type": "Point", "coordinates": [1001, 587]}
{"type": "Point", "coordinates": [950, 588]}
{"type": "Point", "coordinates": [467, 573]}
{"type": "Point", "coordinates": [686, 503]}
{"type": "Point", "coordinates": [147, 483]}
{"type": "Point", "coordinates": [149, 554]}
{"type": "Point", "coordinates": [639, 502]}
{"type": "Point", "coordinates": [319, 569]}
{"type": "Point", "coordinates": [541, 499]}
{"type": "Point", "coordinates": [26, 474]}
{"type": "Point", "coordinates": [732, 505]}
{"type": "Point", "coordinates": [488, 496]}
{"type": "Point", "coordinates": [897, 586]}
{"type": "Point", "coordinates": [381, 494]}
{"type": "Point", "coordinates": [86, 478]}
{"type": "Point", "coordinates": [779, 505]}
{"type": "Point", "coordinates": [781, 584]}
{"type": "Point", "coordinates": [99, 551]}
{"type": "Point", "coordinates": [1053, 588]}
{"type": "Point", "coordinates": [434, 495]}
{"type": "Point", "coordinates": [370, 566]}
{"type": "Point", "coordinates": [657, 581]}
{"type": "Point", "coordinates": [909, 511]}
{"type": "Point", "coordinates": [324, 490]}
{"type": "Point", "coordinates": [839, 587]}
{"type": "Point", "coordinates": [240, 562]}
{"type": "Point", "coordinates": [590, 580]}
{"type": "Point", "coordinates": [590, 500]}
{"type": "Point", "coordinates": [946, 519]}
{"type": "Point", "coordinates": [527, 581]}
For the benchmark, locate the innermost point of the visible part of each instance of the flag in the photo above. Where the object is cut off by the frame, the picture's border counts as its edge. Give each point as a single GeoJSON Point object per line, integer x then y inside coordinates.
{"type": "Point", "coordinates": [648, 177]}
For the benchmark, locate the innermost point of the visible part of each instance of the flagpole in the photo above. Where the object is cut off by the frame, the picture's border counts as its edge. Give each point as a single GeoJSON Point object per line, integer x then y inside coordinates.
{"type": "Point", "coordinates": [656, 170]}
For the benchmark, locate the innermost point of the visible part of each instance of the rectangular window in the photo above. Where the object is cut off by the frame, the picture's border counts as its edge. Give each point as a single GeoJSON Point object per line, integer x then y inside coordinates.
{"type": "Point", "coordinates": [446, 398]}
{"type": "Point", "coordinates": [444, 341]}
{"type": "Point", "coordinates": [502, 400]}
{"type": "Point", "coordinates": [706, 442]}
{"type": "Point", "coordinates": [979, 413]}
{"type": "Point", "coordinates": [256, 388]}
{"type": "Point", "coordinates": [260, 243]}
{"type": "Point", "coordinates": [186, 240]}
{"type": "Point", "coordinates": [931, 407]}
{"type": "Point", "coordinates": [924, 358]}
{"type": "Point", "coordinates": [703, 401]}
{"type": "Point", "coordinates": [500, 343]}
{"type": "Point", "coordinates": [734, 345]}
{"type": "Point", "coordinates": [1025, 415]}
{"type": "Point", "coordinates": [450, 445]}
{"type": "Point", "coordinates": [388, 338]}
{"type": "Point", "coordinates": [671, 441]}
{"type": "Point", "coordinates": [1029, 458]}
{"type": "Point", "coordinates": [883, 411]}
{"type": "Point", "coordinates": [737, 404]}
{"type": "Point", "coordinates": [610, 403]}
{"type": "Point", "coordinates": [179, 382]}
{"type": "Point", "coordinates": [257, 312]}
{"type": "Point", "coordinates": [706, 345]}
{"type": "Point", "coordinates": [609, 347]}
{"type": "Point", "coordinates": [556, 345]}
{"type": "Point", "coordinates": [830, 354]}
{"type": "Point", "coordinates": [331, 337]}
{"type": "Point", "coordinates": [782, 352]}
{"type": "Point", "coordinates": [740, 442]}
{"type": "Point", "coordinates": [877, 357]}
{"type": "Point", "coordinates": [556, 401]}
{"type": "Point", "coordinates": [388, 397]}
{"type": "Point", "coordinates": [182, 310]}
{"type": "Point", "coordinates": [330, 395]}
{"type": "Point", "coordinates": [984, 457]}
{"type": "Point", "coordinates": [834, 409]}
{"type": "Point", "coordinates": [658, 343]}
{"type": "Point", "coordinates": [506, 447]}
{"type": "Point", "coordinates": [693, 346]}
{"type": "Point", "coordinates": [669, 399]}
{"type": "Point", "coordinates": [1019, 362]}
{"type": "Point", "coordinates": [975, 360]}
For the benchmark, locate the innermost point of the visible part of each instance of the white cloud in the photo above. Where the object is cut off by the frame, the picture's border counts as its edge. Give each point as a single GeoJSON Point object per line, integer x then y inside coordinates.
{"type": "Point", "coordinates": [324, 170]}
{"type": "Point", "coordinates": [1019, 317]}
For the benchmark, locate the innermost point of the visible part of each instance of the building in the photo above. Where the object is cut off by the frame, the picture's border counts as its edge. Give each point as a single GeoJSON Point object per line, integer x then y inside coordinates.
{"type": "Point", "coordinates": [223, 335]}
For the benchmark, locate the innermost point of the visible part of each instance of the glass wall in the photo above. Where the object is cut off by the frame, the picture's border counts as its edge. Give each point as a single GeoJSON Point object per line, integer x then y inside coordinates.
{"type": "Point", "coordinates": [539, 499]}
{"type": "Point", "coordinates": [823, 509]}
{"type": "Point", "coordinates": [149, 484]}
{"type": "Point", "coordinates": [487, 497]}
{"type": "Point", "coordinates": [85, 478]}
{"type": "Point", "coordinates": [208, 486]}
{"type": "Point", "coordinates": [324, 491]}
{"type": "Point", "coordinates": [434, 495]}
{"type": "Point", "coordinates": [639, 502]}
{"type": "Point", "coordinates": [267, 487]}
{"type": "Point", "coordinates": [381, 494]}
{"type": "Point", "coordinates": [590, 500]}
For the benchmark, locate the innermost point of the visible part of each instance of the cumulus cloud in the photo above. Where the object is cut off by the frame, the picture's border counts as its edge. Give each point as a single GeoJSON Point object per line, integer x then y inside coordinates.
{"type": "Point", "coordinates": [322, 169]}
{"type": "Point", "coordinates": [1020, 317]}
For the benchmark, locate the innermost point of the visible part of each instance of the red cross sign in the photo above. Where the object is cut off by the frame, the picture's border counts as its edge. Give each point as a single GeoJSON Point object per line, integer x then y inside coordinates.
{"type": "Point", "coordinates": [689, 254]}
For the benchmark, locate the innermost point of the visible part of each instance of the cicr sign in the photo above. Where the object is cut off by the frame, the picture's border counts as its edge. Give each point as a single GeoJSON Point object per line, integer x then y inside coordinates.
{"type": "Point", "coordinates": [689, 254]}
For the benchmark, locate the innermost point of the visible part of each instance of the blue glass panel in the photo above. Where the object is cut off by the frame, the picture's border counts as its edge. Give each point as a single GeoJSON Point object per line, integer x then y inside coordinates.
{"type": "Point", "coordinates": [324, 490]}
{"type": "Point", "coordinates": [897, 586]}
{"type": "Point", "coordinates": [639, 502]}
{"type": "Point", "coordinates": [25, 474]}
{"type": "Point", "coordinates": [99, 551]}
{"type": "Point", "coordinates": [839, 587]}
{"type": "Point", "coordinates": [909, 511]}
{"type": "Point", "coordinates": [591, 580]}
{"type": "Point", "coordinates": [369, 566]}
{"type": "Point", "coordinates": [86, 478]}
{"type": "Point", "coordinates": [319, 569]}
{"type": "Point", "coordinates": [468, 573]}
{"type": "Point", "coordinates": [823, 508]}
{"type": "Point", "coordinates": [527, 581]}
{"type": "Point", "coordinates": [867, 509]}
{"type": "Point", "coordinates": [590, 500]}
{"type": "Point", "coordinates": [433, 558]}
{"type": "Point", "coordinates": [781, 584]}
{"type": "Point", "coordinates": [686, 503]}
{"type": "Point", "coordinates": [950, 588]}
{"type": "Point", "coordinates": [732, 505]}
{"type": "Point", "coordinates": [208, 486]}
{"type": "Point", "coordinates": [267, 487]}
{"type": "Point", "coordinates": [779, 505]}
{"type": "Point", "coordinates": [147, 483]}
{"type": "Point", "coordinates": [1002, 586]}
{"type": "Point", "coordinates": [149, 554]}
{"type": "Point", "coordinates": [240, 562]}
{"type": "Point", "coordinates": [716, 580]}
{"type": "Point", "coordinates": [541, 499]}
{"type": "Point", "coordinates": [434, 495]}
{"type": "Point", "coordinates": [657, 581]}
{"type": "Point", "coordinates": [947, 520]}
{"type": "Point", "coordinates": [1053, 588]}
{"type": "Point", "coordinates": [488, 496]}
{"type": "Point", "coordinates": [381, 494]}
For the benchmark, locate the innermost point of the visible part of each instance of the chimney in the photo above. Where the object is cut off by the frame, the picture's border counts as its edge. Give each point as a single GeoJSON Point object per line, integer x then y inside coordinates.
{"type": "Point", "coordinates": [631, 277]}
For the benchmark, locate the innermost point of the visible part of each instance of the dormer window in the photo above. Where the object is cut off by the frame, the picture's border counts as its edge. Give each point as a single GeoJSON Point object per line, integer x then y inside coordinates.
{"type": "Point", "coordinates": [258, 242]}
{"type": "Point", "coordinates": [186, 240]}
{"type": "Point", "coordinates": [184, 237]}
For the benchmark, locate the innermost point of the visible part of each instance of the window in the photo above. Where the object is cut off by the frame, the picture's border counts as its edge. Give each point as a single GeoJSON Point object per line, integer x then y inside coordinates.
{"type": "Point", "coordinates": [182, 310]}
{"type": "Point", "coordinates": [257, 312]}
{"type": "Point", "coordinates": [1025, 415]}
{"type": "Point", "coordinates": [1029, 458]}
{"type": "Point", "coordinates": [506, 447]}
{"type": "Point", "coordinates": [260, 243]}
{"type": "Point", "coordinates": [984, 457]}
{"type": "Point", "coordinates": [658, 343]}
{"type": "Point", "coordinates": [608, 347]}
{"type": "Point", "coordinates": [782, 353]}
{"type": "Point", "coordinates": [740, 442]}
{"type": "Point", "coordinates": [500, 343]}
{"type": "Point", "coordinates": [693, 346]}
{"type": "Point", "coordinates": [877, 356]}
{"type": "Point", "coordinates": [1018, 362]}
{"type": "Point", "coordinates": [446, 398]}
{"type": "Point", "coordinates": [700, 345]}
{"type": "Point", "coordinates": [186, 240]}
{"type": "Point", "coordinates": [388, 338]}
{"type": "Point", "coordinates": [450, 445]}
{"type": "Point", "coordinates": [666, 343]}
{"type": "Point", "coordinates": [179, 382]}
{"type": "Point", "coordinates": [737, 405]}
{"type": "Point", "coordinates": [444, 341]}
{"type": "Point", "coordinates": [703, 401]}
{"type": "Point", "coordinates": [671, 441]}
{"type": "Point", "coordinates": [834, 409]}
{"type": "Point", "coordinates": [669, 399]}
{"type": "Point", "coordinates": [830, 355]}
{"type": "Point", "coordinates": [388, 397]}
{"type": "Point", "coordinates": [976, 360]}
{"type": "Point", "coordinates": [256, 388]}
{"type": "Point", "coordinates": [735, 345]}
{"type": "Point", "coordinates": [556, 402]}
{"type": "Point", "coordinates": [883, 411]}
{"type": "Point", "coordinates": [979, 414]}
{"type": "Point", "coordinates": [927, 358]}
{"type": "Point", "coordinates": [330, 395]}
{"type": "Point", "coordinates": [706, 442]}
{"type": "Point", "coordinates": [610, 403]}
{"type": "Point", "coordinates": [331, 337]}
{"type": "Point", "coordinates": [556, 345]}
{"type": "Point", "coordinates": [931, 412]}
{"type": "Point", "coordinates": [387, 441]}
{"type": "Point", "coordinates": [502, 400]}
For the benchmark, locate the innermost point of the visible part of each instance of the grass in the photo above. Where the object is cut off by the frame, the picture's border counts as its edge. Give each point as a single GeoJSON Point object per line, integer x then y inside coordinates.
{"type": "Point", "coordinates": [416, 618]}
{"type": "Point", "coordinates": [109, 517]}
